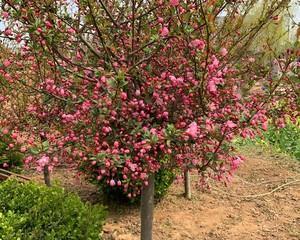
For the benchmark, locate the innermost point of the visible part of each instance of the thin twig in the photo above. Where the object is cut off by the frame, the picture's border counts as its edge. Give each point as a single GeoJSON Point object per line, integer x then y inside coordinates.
{"type": "Point", "coordinates": [108, 13]}
{"type": "Point", "coordinates": [260, 194]}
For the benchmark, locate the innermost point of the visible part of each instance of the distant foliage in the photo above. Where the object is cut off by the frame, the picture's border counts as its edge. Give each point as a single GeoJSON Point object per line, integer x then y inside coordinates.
{"type": "Point", "coordinates": [30, 212]}
{"type": "Point", "coordinates": [286, 139]}
{"type": "Point", "coordinates": [274, 35]}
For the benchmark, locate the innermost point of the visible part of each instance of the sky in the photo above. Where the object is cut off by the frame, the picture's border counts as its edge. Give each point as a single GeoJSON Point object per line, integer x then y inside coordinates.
{"type": "Point", "coordinates": [296, 10]}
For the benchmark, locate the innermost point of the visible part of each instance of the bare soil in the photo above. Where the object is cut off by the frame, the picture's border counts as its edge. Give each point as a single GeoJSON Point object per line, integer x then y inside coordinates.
{"type": "Point", "coordinates": [262, 203]}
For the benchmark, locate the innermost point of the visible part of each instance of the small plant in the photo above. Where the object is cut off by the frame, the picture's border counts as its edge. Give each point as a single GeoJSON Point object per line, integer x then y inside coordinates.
{"type": "Point", "coordinates": [30, 211]}
{"type": "Point", "coordinates": [163, 180]}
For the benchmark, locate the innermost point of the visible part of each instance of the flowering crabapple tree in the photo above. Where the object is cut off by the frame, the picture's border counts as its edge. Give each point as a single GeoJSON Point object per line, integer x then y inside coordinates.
{"type": "Point", "coordinates": [12, 142]}
{"type": "Point", "coordinates": [126, 88]}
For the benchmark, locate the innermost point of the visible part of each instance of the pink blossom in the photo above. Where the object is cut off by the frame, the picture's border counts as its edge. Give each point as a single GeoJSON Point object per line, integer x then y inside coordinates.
{"type": "Point", "coordinates": [264, 126]}
{"type": "Point", "coordinates": [164, 32]}
{"type": "Point", "coordinates": [14, 135]}
{"type": "Point", "coordinates": [8, 32]}
{"type": "Point", "coordinates": [215, 62]}
{"type": "Point", "coordinates": [160, 20]}
{"type": "Point", "coordinates": [71, 31]}
{"type": "Point", "coordinates": [192, 130]}
{"type": "Point", "coordinates": [230, 124]}
{"type": "Point", "coordinates": [165, 114]}
{"type": "Point", "coordinates": [48, 24]}
{"type": "Point", "coordinates": [78, 55]}
{"type": "Point", "coordinates": [106, 129]}
{"type": "Point", "coordinates": [23, 149]}
{"type": "Point", "coordinates": [132, 167]}
{"type": "Point", "coordinates": [6, 63]}
{"type": "Point", "coordinates": [86, 105]}
{"type": "Point", "coordinates": [107, 163]}
{"type": "Point", "coordinates": [212, 88]}
{"type": "Point", "coordinates": [223, 52]}
{"type": "Point", "coordinates": [176, 81]}
{"type": "Point", "coordinates": [42, 162]}
{"type": "Point", "coordinates": [236, 162]}
{"type": "Point", "coordinates": [5, 165]}
{"type": "Point", "coordinates": [112, 183]}
{"type": "Point", "coordinates": [99, 177]}
{"type": "Point", "coordinates": [123, 96]}
{"type": "Point", "coordinates": [137, 92]}
{"type": "Point", "coordinates": [143, 176]}
{"type": "Point", "coordinates": [28, 159]}
{"type": "Point", "coordinates": [116, 144]}
{"type": "Point", "coordinates": [197, 43]}
{"type": "Point", "coordinates": [174, 3]}
{"type": "Point", "coordinates": [5, 131]}
{"type": "Point", "coordinates": [5, 15]}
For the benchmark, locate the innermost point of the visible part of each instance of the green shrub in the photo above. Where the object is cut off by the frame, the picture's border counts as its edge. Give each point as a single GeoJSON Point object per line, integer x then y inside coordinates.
{"type": "Point", "coordinates": [31, 212]}
{"type": "Point", "coordinates": [163, 180]}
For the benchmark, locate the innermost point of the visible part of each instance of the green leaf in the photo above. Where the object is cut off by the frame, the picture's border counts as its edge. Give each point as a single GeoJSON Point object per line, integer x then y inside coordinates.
{"type": "Point", "coordinates": [45, 146]}
{"type": "Point", "coordinates": [35, 150]}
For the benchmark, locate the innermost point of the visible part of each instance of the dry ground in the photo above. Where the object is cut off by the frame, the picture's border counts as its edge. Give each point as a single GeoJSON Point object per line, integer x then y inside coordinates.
{"type": "Point", "coordinates": [262, 203]}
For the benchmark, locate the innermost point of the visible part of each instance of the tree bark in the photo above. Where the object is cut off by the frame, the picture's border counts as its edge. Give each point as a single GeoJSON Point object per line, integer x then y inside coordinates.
{"type": "Point", "coordinates": [147, 206]}
{"type": "Point", "coordinates": [187, 184]}
{"type": "Point", "coordinates": [47, 176]}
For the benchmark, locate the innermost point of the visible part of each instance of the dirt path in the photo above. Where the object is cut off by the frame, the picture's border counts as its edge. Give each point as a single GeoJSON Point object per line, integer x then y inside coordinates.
{"type": "Point", "coordinates": [224, 213]}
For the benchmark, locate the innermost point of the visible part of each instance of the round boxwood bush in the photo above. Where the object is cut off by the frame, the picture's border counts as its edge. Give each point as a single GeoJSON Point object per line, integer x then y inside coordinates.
{"type": "Point", "coordinates": [29, 211]}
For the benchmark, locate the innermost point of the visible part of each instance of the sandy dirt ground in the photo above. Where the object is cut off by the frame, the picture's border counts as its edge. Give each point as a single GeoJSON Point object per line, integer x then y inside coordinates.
{"type": "Point", "coordinates": [245, 210]}
{"type": "Point", "coordinates": [262, 203]}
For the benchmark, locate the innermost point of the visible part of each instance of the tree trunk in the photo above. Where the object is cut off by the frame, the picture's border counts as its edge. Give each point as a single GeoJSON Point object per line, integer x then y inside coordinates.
{"type": "Point", "coordinates": [47, 176]}
{"type": "Point", "coordinates": [147, 206]}
{"type": "Point", "coordinates": [187, 184]}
